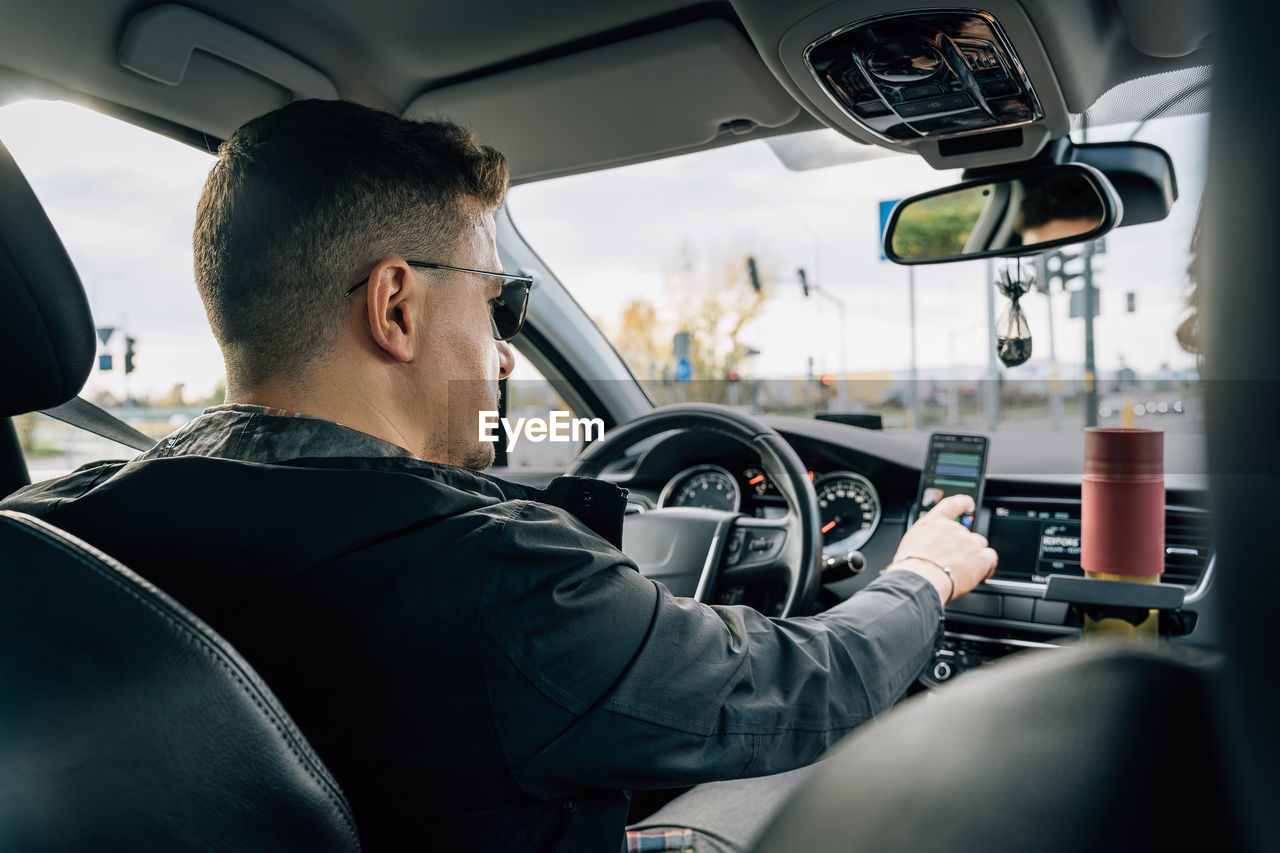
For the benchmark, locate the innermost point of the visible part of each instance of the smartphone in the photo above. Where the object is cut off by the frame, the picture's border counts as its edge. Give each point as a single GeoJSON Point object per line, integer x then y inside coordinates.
{"type": "Point", "coordinates": [954, 465]}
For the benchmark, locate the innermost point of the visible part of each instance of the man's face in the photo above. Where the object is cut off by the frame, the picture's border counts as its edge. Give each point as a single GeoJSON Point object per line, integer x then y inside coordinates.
{"type": "Point", "coordinates": [462, 363]}
{"type": "Point", "coordinates": [1058, 229]}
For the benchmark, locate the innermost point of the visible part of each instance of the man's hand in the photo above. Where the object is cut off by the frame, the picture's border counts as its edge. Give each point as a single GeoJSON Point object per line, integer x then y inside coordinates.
{"type": "Point", "coordinates": [937, 540]}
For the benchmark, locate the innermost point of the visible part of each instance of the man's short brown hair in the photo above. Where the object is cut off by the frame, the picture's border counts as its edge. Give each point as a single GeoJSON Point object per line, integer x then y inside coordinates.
{"type": "Point", "coordinates": [303, 202]}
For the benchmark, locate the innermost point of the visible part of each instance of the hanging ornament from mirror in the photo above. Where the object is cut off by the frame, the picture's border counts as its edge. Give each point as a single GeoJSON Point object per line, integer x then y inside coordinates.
{"type": "Point", "coordinates": [1013, 334]}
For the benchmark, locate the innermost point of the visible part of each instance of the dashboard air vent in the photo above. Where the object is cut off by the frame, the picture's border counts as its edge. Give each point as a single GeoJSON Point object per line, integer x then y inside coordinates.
{"type": "Point", "coordinates": [1187, 546]}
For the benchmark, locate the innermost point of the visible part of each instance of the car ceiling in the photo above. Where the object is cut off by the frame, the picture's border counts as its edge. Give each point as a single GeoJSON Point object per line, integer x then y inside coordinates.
{"type": "Point", "coordinates": [561, 85]}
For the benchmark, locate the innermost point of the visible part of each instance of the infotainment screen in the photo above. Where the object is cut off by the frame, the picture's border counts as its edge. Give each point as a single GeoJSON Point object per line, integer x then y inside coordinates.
{"type": "Point", "coordinates": [1035, 540]}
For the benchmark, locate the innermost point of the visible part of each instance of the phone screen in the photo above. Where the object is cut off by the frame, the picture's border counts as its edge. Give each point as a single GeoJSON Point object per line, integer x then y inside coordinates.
{"type": "Point", "coordinates": [955, 465]}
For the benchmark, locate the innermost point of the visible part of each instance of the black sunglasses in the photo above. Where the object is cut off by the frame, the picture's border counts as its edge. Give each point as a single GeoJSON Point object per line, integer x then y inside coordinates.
{"type": "Point", "coordinates": [506, 311]}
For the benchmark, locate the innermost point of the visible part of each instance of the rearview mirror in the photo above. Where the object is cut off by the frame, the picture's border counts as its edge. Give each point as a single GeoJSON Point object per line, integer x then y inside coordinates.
{"type": "Point", "coordinates": [1010, 214]}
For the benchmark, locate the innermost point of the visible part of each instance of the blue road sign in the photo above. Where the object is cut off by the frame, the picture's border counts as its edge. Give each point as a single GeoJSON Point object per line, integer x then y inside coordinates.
{"type": "Point", "coordinates": [683, 370]}
{"type": "Point", "coordinates": [886, 207]}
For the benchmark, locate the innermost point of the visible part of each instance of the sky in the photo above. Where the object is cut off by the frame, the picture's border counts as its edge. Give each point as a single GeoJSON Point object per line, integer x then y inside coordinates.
{"type": "Point", "coordinates": [123, 201]}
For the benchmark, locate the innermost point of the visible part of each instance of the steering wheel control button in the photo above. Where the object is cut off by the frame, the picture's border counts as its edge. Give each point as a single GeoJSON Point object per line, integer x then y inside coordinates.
{"type": "Point", "coordinates": [749, 547]}
{"type": "Point", "coordinates": [733, 552]}
{"type": "Point", "coordinates": [765, 543]}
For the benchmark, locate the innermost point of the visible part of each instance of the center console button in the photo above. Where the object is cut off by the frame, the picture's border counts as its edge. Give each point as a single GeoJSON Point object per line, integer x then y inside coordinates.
{"type": "Point", "coordinates": [977, 604]}
{"type": "Point", "coordinates": [1017, 607]}
{"type": "Point", "coordinates": [1051, 612]}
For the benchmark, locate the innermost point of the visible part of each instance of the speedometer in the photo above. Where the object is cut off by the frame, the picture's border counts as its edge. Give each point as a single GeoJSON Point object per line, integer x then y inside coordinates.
{"type": "Point", "coordinates": [707, 486]}
{"type": "Point", "coordinates": [850, 509]}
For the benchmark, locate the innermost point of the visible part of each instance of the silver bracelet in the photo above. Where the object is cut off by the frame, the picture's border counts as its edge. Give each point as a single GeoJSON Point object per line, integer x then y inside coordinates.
{"type": "Point", "coordinates": [933, 562]}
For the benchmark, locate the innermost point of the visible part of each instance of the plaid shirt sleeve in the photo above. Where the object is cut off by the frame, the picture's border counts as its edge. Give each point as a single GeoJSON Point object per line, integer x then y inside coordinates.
{"type": "Point", "coordinates": [671, 840]}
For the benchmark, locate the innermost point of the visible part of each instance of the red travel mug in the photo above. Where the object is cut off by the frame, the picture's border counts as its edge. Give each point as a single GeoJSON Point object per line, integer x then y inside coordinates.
{"type": "Point", "coordinates": [1122, 504]}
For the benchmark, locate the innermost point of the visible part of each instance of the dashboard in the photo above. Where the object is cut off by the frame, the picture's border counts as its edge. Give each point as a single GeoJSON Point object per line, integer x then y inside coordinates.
{"type": "Point", "coordinates": [866, 483]}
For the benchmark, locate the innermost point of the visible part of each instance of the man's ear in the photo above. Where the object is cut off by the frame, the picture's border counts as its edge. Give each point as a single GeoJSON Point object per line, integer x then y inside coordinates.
{"type": "Point", "coordinates": [391, 298]}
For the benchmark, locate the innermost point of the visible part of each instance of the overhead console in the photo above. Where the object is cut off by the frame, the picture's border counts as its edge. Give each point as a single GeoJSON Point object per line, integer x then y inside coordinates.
{"type": "Point", "coordinates": [961, 87]}
{"type": "Point", "coordinates": [910, 76]}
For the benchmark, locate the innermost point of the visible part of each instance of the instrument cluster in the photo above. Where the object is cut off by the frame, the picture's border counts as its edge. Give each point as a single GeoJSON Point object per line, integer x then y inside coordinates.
{"type": "Point", "coordinates": [848, 502]}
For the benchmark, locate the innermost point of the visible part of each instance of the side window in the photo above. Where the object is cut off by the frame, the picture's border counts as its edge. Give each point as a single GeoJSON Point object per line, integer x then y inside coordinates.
{"type": "Point", "coordinates": [52, 448]}
{"type": "Point", "coordinates": [123, 201]}
{"type": "Point", "coordinates": [541, 430]}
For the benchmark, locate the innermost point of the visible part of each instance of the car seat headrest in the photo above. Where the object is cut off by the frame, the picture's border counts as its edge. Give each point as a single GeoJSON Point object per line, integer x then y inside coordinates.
{"type": "Point", "coordinates": [46, 332]}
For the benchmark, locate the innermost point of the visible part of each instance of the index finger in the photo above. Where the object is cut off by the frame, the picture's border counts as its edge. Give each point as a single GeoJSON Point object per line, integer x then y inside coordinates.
{"type": "Point", "coordinates": [953, 506]}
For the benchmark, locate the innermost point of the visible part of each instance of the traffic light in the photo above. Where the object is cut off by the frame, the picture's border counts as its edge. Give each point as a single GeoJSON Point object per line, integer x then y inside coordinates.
{"type": "Point", "coordinates": [128, 355]}
{"type": "Point", "coordinates": [1055, 267]}
{"type": "Point", "coordinates": [753, 273]}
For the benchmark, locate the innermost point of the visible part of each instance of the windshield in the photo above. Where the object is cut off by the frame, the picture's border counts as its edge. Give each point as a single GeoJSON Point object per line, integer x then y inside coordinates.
{"type": "Point", "coordinates": [732, 276]}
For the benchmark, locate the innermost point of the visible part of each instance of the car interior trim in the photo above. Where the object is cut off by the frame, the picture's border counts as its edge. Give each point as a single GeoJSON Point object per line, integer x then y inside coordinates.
{"type": "Point", "coordinates": [158, 44]}
{"type": "Point", "coordinates": [648, 95]}
{"type": "Point", "coordinates": [1004, 641]}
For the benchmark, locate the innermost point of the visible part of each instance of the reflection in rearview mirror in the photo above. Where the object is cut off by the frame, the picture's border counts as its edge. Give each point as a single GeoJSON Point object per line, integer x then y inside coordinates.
{"type": "Point", "coordinates": [1009, 216]}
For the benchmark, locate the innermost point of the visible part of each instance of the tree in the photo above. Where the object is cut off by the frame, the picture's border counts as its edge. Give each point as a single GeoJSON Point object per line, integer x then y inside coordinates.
{"type": "Point", "coordinates": [714, 302]}
{"type": "Point", "coordinates": [716, 310]}
{"type": "Point", "coordinates": [640, 339]}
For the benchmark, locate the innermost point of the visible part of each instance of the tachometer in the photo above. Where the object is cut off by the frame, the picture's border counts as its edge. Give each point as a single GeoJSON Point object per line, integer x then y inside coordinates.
{"type": "Point", "coordinates": [758, 482]}
{"type": "Point", "coordinates": [708, 486]}
{"type": "Point", "coordinates": [850, 509]}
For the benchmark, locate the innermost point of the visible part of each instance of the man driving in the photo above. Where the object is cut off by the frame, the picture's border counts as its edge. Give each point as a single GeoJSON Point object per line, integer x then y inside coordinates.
{"type": "Point", "coordinates": [477, 664]}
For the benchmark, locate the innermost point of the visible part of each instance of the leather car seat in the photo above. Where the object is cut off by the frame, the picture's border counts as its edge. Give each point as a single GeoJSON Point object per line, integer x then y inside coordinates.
{"type": "Point", "coordinates": [126, 723]}
{"type": "Point", "coordinates": [1092, 748]}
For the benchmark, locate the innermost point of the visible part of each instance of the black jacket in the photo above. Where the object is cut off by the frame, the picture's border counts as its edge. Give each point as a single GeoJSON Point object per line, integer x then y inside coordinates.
{"type": "Point", "coordinates": [478, 668]}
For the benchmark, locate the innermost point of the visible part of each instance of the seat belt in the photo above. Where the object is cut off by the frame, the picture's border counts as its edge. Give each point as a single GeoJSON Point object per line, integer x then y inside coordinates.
{"type": "Point", "coordinates": [79, 412]}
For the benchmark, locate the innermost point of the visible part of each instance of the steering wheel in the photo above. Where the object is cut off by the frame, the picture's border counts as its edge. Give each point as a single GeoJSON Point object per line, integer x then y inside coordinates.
{"type": "Point", "coordinates": [694, 551]}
